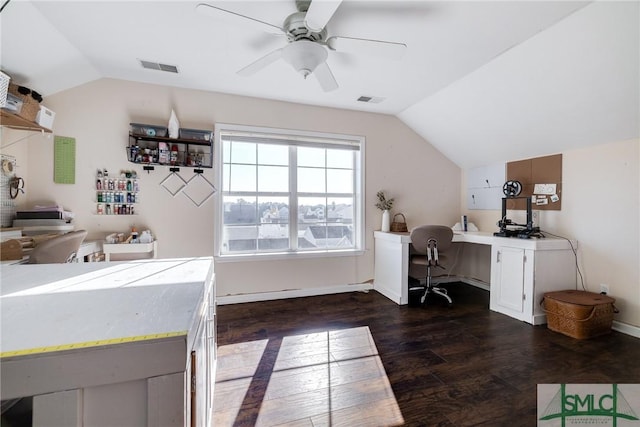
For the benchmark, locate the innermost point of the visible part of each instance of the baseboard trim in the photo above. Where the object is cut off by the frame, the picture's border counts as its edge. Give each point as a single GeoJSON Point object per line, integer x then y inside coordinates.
{"type": "Point", "coordinates": [625, 328]}
{"type": "Point", "coordinates": [469, 281]}
{"type": "Point", "coordinates": [475, 282]}
{"type": "Point", "coordinates": [293, 293]}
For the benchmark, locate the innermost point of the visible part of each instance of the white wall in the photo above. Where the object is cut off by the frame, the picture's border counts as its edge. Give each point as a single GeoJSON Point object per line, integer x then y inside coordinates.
{"type": "Point", "coordinates": [600, 205]}
{"type": "Point", "coordinates": [600, 209]}
{"type": "Point", "coordinates": [425, 184]}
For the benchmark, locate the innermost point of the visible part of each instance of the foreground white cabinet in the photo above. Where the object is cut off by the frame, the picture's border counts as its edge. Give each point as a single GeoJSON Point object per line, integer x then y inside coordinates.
{"type": "Point", "coordinates": [522, 272]}
{"type": "Point", "coordinates": [105, 344]}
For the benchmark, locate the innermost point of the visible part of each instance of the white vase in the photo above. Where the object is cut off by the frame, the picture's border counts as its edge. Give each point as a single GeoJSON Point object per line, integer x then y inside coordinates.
{"type": "Point", "coordinates": [386, 221]}
{"type": "Point", "coordinates": [174, 126]}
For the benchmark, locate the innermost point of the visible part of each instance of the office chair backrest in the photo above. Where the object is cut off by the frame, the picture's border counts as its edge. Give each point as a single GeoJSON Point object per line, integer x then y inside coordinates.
{"type": "Point", "coordinates": [60, 249]}
{"type": "Point", "coordinates": [425, 235]}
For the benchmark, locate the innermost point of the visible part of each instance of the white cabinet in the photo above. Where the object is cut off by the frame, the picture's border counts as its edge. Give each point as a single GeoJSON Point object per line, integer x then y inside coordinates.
{"type": "Point", "coordinates": [202, 366]}
{"type": "Point", "coordinates": [509, 270]}
{"type": "Point", "coordinates": [521, 275]}
{"type": "Point", "coordinates": [136, 336]}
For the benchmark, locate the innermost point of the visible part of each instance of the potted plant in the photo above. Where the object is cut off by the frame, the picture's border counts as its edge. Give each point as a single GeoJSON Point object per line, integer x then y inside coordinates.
{"type": "Point", "coordinates": [385, 206]}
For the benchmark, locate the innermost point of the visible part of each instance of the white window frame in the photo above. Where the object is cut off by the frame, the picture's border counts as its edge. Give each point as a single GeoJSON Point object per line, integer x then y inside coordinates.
{"type": "Point", "coordinates": [292, 135]}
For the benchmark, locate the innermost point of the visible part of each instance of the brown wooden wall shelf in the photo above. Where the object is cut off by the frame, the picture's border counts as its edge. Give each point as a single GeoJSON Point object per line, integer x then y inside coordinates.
{"type": "Point", "coordinates": [14, 121]}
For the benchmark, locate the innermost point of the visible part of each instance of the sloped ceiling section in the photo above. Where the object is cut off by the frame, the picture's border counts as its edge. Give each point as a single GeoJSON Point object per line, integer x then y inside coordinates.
{"type": "Point", "coordinates": [574, 84]}
{"type": "Point", "coordinates": [483, 81]}
{"type": "Point", "coordinates": [446, 40]}
{"type": "Point", "coordinates": [35, 54]}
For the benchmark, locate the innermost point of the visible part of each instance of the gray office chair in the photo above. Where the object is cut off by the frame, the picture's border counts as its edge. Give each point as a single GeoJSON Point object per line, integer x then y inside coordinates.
{"type": "Point", "coordinates": [59, 249]}
{"type": "Point", "coordinates": [429, 244]}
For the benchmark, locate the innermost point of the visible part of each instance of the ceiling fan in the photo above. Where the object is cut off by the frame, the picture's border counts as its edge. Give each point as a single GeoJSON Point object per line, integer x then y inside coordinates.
{"type": "Point", "coordinates": [308, 45]}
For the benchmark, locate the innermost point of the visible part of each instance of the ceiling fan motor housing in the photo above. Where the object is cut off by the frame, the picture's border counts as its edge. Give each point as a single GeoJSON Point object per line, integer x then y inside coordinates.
{"type": "Point", "coordinates": [296, 29]}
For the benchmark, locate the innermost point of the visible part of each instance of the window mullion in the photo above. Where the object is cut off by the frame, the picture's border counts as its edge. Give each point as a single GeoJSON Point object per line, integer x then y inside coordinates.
{"type": "Point", "coordinates": [293, 198]}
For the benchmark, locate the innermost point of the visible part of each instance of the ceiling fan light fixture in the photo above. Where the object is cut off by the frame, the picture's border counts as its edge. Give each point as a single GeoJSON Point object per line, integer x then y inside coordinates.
{"type": "Point", "coordinates": [304, 56]}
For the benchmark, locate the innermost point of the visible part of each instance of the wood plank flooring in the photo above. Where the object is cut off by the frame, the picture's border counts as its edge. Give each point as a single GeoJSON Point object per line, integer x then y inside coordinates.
{"type": "Point", "coordinates": [358, 359]}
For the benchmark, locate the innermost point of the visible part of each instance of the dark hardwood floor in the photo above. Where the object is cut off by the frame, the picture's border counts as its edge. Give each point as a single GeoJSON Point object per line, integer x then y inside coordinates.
{"type": "Point", "coordinates": [458, 366]}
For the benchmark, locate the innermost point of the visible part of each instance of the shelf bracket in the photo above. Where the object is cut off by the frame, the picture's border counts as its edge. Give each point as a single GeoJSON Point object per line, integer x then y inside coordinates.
{"type": "Point", "coordinates": [174, 169]}
{"type": "Point", "coordinates": [22, 138]}
{"type": "Point", "coordinates": [198, 171]}
{"type": "Point", "coordinates": [148, 168]}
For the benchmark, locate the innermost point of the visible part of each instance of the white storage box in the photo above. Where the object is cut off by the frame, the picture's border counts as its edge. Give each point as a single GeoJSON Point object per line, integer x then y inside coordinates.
{"type": "Point", "coordinates": [45, 117]}
{"type": "Point", "coordinates": [13, 104]}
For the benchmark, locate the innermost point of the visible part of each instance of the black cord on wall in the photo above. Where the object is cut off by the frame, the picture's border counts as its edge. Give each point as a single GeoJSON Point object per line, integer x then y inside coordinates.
{"type": "Point", "coordinates": [575, 255]}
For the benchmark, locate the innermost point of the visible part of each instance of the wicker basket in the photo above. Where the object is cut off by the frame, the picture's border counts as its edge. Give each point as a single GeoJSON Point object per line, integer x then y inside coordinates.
{"type": "Point", "coordinates": [579, 314]}
{"type": "Point", "coordinates": [30, 107]}
{"type": "Point", "coordinates": [399, 227]}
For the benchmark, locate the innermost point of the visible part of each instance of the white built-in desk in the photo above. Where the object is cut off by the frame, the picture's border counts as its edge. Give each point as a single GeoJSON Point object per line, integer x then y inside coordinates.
{"type": "Point", "coordinates": [522, 270]}
{"type": "Point", "coordinates": [110, 343]}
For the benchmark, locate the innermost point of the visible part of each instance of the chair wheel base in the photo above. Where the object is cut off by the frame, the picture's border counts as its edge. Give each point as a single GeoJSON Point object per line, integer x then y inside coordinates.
{"type": "Point", "coordinates": [441, 292]}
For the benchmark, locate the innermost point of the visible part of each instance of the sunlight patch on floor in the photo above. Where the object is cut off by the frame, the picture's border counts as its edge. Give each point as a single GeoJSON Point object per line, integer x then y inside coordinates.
{"type": "Point", "coordinates": [329, 378]}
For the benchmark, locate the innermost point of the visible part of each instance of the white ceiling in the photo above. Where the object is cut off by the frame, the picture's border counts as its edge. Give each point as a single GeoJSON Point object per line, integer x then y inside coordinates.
{"type": "Point", "coordinates": [513, 78]}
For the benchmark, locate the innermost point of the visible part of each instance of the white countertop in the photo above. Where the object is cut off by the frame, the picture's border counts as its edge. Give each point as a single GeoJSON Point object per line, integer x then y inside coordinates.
{"type": "Point", "coordinates": [486, 238]}
{"type": "Point", "coordinates": [54, 307]}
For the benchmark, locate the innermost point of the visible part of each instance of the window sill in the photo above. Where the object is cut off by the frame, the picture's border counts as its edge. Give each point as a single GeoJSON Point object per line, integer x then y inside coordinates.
{"type": "Point", "coordinates": [288, 255]}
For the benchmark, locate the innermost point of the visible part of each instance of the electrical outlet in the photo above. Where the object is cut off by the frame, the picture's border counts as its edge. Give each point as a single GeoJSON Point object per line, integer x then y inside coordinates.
{"type": "Point", "coordinates": [604, 288]}
{"type": "Point", "coordinates": [535, 218]}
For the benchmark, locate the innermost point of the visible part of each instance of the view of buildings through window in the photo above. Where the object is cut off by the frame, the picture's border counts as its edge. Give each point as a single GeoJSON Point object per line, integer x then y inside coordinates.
{"type": "Point", "coordinates": [281, 195]}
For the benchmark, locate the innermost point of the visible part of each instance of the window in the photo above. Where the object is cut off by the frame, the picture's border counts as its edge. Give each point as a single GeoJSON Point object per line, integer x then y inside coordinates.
{"type": "Point", "coordinates": [288, 192]}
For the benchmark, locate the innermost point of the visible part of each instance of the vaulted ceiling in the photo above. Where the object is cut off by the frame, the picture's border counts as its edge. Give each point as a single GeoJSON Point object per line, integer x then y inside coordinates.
{"type": "Point", "coordinates": [481, 81]}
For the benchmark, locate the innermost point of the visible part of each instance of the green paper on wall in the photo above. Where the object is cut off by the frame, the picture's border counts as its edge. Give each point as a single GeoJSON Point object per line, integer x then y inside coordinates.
{"type": "Point", "coordinates": [64, 160]}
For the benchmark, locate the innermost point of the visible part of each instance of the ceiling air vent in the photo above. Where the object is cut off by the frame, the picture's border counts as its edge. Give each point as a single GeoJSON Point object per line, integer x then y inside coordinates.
{"type": "Point", "coordinates": [371, 99]}
{"type": "Point", "coordinates": [150, 65]}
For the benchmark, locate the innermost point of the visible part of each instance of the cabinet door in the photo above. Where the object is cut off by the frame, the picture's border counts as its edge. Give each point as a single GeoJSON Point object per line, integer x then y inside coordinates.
{"type": "Point", "coordinates": [198, 392]}
{"type": "Point", "coordinates": [211, 354]}
{"type": "Point", "coordinates": [508, 295]}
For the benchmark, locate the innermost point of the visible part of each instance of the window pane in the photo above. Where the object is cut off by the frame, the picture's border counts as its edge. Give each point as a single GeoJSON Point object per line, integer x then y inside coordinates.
{"type": "Point", "coordinates": [311, 180]}
{"type": "Point", "coordinates": [273, 210]}
{"type": "Point", "coordinates": [243, 152]}
{"type": "Point", "coordinates": [340, 159]}
{"type": "Point", "coordinates": [240, 211]}
{"type": "Point", "coordinates": [273, 178]}
{"type": "Point", "coordinates": [340, 181]}
{"type": "Point", "coordinates": [273, 237]}
{"type": "Point", "coordinates": [311, 210]}
{"type": "Point", "coordinates": [311, 156]}
{"type": "Point", "coordinates": [340, 209]}
{"type": "Point", "coordinates": [273, 154]}
{"type": "Point", "coordinates": [243, 178]}
{"type": "Point", "coordinates": [327, 236]}
{"type": "Point", "coordinates": [240, 238]}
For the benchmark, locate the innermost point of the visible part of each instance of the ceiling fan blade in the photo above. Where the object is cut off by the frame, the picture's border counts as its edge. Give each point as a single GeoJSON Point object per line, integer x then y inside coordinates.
{"type": "Point", "coordinates": [391, 50]}
{"type": "Point", "coordinates": [223, 14]}
{"type": "Point", "coordinates": [259, 64]}
{"type": "Point", "coordinates": [319, 13]}
{"type": "Point", "coordinates": [325, 77]}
